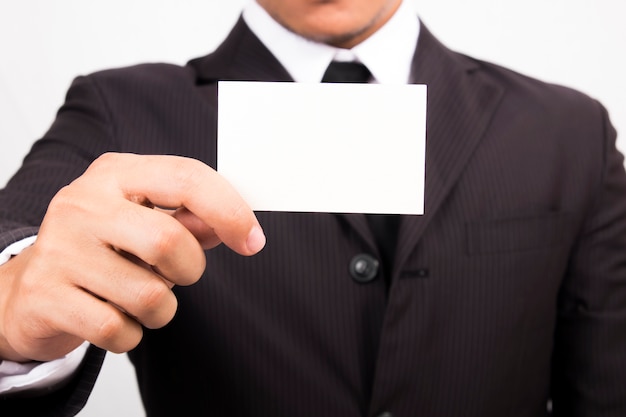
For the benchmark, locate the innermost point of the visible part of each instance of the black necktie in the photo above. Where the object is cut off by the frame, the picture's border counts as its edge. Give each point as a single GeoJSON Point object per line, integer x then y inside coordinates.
{"type": "Point", "coordinates": [346, 72]}
{"type": "Point", "coordinates": [384, 227]}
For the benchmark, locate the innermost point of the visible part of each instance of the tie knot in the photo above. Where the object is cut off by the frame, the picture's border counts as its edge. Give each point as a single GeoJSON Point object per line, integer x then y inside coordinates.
{"type": "Point", "coordinates": [346, 72]}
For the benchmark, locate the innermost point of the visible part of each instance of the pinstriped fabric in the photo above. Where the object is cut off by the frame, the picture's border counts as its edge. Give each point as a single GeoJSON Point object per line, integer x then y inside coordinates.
{"type": "Point", "coordinates": [508, 291]}
{"type": "Point", "coordinates": [450, 116]}
{"type": "Point", "coordinates": [487, 246]}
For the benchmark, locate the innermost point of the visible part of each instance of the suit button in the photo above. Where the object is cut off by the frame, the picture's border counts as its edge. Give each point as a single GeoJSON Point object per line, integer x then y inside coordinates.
{"type": "Point", "coordinates": [364, 268]}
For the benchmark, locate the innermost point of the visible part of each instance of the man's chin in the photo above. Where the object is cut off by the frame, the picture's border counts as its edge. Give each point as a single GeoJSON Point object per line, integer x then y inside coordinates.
{"type": "Point", "coordinates": [325, 34]}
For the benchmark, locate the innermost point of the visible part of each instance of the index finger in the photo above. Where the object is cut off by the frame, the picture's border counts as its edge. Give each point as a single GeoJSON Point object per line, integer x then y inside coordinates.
{"type": "Point", "coordinates": [174, 181]}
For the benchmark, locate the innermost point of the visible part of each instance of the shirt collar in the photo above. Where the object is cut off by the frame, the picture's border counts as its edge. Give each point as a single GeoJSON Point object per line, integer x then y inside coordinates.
{"type": "Point", "coordinates": [306, 61]}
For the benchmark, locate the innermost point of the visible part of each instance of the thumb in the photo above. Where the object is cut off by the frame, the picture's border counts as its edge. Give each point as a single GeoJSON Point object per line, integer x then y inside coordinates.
{"type": "Point", "coordinates": [202, 232]}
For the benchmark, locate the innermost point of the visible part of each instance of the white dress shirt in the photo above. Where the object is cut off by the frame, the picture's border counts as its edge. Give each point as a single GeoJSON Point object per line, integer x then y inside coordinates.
{"type": "Point", "coordinates": [306, 61]}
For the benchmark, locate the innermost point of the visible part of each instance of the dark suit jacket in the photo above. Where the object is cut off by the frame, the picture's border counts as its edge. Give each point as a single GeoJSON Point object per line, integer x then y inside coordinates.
{"type": "Point", "coordinates": [509, 291]}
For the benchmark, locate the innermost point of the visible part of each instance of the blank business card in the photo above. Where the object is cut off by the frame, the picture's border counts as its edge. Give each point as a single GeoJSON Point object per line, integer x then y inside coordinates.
{"type": "Point", "coordinates": [343, 148]}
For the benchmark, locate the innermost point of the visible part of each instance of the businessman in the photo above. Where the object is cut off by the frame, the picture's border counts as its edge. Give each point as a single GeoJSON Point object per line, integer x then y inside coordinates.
{"type": "Point", "coordinates": [508, 297]}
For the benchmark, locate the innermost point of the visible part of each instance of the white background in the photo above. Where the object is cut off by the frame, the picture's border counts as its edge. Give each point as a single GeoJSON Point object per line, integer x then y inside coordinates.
{"type": "Point", "coordinates": [44, 44]}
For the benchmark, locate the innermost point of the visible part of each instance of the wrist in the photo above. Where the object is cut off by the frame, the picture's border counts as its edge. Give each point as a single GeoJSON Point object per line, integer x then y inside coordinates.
{"type": "Point", "coordinates": [7, 353]}
{"type": "Point", "coordinates": [6, 263]}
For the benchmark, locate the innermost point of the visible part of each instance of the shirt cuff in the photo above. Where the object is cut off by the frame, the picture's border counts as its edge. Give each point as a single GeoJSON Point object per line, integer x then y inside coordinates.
{"type": "Point", "coordinates": [17, 377]}
{"type": "Point", "coordinates": [15, 248]}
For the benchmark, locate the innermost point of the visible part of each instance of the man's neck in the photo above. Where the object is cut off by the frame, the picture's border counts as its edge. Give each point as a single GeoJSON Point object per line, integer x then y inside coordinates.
{"type": "Point", "coordinates": [387, 53]}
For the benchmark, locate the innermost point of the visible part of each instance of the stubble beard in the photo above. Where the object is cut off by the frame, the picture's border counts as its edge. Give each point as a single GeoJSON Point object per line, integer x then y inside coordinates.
{"type": "Point", "coordinates": [351, 38]}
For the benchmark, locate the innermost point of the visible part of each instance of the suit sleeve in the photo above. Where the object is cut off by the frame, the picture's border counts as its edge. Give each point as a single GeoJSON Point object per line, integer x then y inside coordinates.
{"type": "Point", "coordinates": [589, 362]}
{"type": "Point", "coordinates": [81, 132]}
{"type": "Point", "coordinates": [60, 401]}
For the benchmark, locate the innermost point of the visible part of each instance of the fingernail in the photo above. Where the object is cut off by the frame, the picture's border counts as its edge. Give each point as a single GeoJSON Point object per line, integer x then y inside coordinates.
{"type": "Point", "coordinates": [256, 240]}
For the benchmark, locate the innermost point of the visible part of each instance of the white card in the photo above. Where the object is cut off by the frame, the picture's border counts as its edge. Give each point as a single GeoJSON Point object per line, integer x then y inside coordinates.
{"type": "Point", "coordinates": [305, 147]}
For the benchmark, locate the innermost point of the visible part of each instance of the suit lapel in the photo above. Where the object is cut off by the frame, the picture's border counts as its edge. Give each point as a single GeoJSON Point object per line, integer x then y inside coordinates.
{"type": "Point", "coordinates": [241, 57]}
{"type": "Point", "coordinates": [461, 103]}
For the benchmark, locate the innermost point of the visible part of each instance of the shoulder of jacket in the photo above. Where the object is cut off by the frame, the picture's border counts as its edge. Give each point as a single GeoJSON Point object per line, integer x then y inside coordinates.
{"type": "Point", "coordinates": [146, 73]}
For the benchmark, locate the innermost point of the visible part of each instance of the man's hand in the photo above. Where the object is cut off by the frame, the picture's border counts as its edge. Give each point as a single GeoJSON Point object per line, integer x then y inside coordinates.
{"type": "Point", "coordinates": [105, 259]}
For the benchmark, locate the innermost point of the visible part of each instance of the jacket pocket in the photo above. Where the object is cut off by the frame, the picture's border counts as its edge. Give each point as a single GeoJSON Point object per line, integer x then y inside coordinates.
{"type": "Point", "coordinates": [514, 234]}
